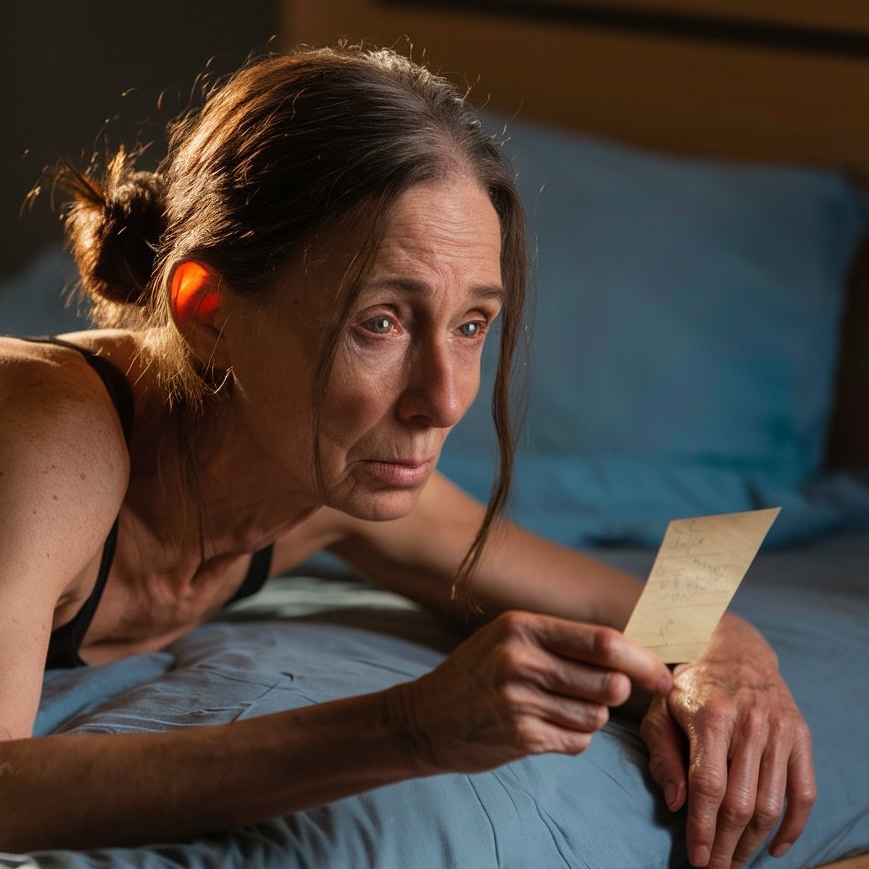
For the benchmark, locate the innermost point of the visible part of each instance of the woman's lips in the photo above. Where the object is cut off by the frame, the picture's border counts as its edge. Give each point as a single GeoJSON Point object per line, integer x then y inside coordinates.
{"type": "Point", "coordinates": [403, 473]}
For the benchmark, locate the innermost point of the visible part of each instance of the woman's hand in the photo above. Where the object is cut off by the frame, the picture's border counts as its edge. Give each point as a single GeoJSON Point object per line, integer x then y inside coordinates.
{"type": "Point", "coordinates": [523, 684]}
{"type": "Point", "coordinates": [749, 761]}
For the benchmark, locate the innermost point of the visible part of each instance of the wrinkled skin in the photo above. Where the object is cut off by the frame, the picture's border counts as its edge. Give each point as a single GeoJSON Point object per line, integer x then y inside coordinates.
{"type": "Point", "coordinates": [730, 741]}
{"type": "Point", "coordinates": [523, 684]}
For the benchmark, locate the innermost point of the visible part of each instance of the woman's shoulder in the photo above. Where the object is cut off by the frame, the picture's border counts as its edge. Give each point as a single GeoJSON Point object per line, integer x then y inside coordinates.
{"type": "Point", "coordinates": [42, 366]}
{"type": "Point", "coordinates": [56, 412]}
{"type": "Point", "coordinates": [64, 471]}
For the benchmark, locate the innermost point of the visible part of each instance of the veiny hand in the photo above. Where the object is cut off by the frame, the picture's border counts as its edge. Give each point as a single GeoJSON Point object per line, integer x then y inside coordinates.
{"type": "Point", "coordinates": [523, 684]}
{"type": "Point", "coordinates": [749, 760]}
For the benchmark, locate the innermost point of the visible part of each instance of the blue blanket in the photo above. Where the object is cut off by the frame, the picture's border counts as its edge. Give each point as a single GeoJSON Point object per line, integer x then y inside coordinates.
{"type": "Point", "coordinates": [307, 641]}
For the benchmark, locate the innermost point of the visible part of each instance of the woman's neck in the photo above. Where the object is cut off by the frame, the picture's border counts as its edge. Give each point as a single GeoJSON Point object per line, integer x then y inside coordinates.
{"type": "Point", "coordinates": [201, 485]}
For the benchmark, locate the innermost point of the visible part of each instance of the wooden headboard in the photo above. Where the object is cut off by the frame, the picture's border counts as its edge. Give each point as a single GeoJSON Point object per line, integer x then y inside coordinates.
{"type": "Point", "coordinates": [785, 80]}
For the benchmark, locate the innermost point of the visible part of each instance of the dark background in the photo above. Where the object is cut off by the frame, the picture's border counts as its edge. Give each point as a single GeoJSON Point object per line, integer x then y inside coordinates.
{"type": "Point", "coordinates": [75, 73]}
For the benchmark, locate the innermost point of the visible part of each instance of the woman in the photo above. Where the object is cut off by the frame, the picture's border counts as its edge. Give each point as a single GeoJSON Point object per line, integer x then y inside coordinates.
{"type": "Point", "coordinates": [293, 311]}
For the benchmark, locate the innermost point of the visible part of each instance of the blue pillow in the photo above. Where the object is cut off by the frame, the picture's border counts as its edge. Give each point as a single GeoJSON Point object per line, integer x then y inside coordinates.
{"type": "Point", "coordinates": [685, 339]}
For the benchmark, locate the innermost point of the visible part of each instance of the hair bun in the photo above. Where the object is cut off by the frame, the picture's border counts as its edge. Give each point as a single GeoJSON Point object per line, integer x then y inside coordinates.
{"type": "Point", "coordinates": [113, 228]}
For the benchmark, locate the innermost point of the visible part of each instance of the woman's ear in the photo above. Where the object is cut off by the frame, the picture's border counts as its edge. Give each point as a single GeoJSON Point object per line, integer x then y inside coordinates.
{"type": "Point", "coordinates": [196, 300]}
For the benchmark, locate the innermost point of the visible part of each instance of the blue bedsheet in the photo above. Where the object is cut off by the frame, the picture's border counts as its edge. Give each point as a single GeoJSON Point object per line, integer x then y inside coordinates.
{"type": "Point", "coordinates": [598, 810]}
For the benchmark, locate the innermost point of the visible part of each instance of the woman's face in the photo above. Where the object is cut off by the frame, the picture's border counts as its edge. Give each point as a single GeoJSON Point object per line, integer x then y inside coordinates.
{"type": "Point", "coordinates": [409, 366]}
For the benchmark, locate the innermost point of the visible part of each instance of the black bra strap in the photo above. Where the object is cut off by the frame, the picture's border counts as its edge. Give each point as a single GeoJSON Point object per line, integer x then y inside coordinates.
{"type": "Point", "coordinates": [67, 639]}
{"type": "Point", "coordinates": [257, 574]}
{"type": "Point", "coordinates": [116, 383]}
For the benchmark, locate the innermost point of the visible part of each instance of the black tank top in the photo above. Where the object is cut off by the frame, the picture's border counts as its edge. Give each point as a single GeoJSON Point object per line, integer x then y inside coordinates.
{"type": "Point", "coordinates": [65, 641]}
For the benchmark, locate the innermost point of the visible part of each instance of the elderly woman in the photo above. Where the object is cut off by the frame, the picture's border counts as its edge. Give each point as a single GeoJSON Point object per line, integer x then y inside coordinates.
{"type": "Point", "coordinates": [291, 314]}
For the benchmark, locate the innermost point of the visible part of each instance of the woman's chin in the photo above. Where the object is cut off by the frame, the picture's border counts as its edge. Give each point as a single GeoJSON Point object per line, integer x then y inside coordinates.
{"type": "Point", "coordinates": [381, 506]}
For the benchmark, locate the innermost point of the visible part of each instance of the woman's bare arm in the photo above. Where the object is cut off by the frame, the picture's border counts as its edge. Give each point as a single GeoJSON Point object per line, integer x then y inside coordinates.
{"type": "Point", "coordinates": [418, 556]}
{"type": "Point", "coordinates": [63, 471]}
{"type": "Point", "coordinates": [99, 790]}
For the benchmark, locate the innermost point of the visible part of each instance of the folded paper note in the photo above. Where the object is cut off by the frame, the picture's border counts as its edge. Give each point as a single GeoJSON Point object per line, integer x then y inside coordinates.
{"type": "Point", "coordinates": [696, 572]}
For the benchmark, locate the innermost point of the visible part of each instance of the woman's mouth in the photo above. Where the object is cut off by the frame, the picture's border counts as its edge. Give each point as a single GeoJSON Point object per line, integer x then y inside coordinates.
{"type": "Point", "coordinates": [400, 473]}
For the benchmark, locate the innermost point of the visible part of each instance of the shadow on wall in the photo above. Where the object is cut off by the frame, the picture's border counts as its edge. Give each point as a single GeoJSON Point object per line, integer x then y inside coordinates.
{"type": "Point", "coordinates": [70, 70]}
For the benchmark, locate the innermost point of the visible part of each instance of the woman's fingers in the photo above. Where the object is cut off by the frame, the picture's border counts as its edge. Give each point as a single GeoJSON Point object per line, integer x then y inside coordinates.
{"type": "Point", "coordinates": [749, 762]}
{"type": "Point", "coordinates": [723, 777]}
{"type": "Point", "coordinates": [769, 782]}
{"type": "Point", "coordinates": [524, 684]}
{"type": "Point", "coordinates": [801, 793]}
{"type": "Point", "coordinates": [610, 650]}
{"type": "Point", "coordinates": [769, 799]}
{"type": "Point", "coordinates": [667, 750]}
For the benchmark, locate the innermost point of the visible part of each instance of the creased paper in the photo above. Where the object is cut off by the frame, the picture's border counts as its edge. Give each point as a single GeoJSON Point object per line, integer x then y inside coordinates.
{"type": "Point", "coordinates": [698, 568]}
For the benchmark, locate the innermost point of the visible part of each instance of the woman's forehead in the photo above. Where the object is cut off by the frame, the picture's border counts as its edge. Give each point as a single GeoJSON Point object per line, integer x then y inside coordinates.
{"type": "Point", "coordinates": [444, 226]}
{"type": "Point", "coordinates": [431, 223]}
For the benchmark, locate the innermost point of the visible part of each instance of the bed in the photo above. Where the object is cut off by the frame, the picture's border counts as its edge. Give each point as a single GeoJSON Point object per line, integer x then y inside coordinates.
{"type": "Point", "coordinates": [694, 176]}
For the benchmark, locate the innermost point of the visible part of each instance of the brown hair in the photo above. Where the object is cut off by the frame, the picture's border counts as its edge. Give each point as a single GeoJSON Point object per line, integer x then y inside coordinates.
{"type": "Point", "coordinates": [288, 145]}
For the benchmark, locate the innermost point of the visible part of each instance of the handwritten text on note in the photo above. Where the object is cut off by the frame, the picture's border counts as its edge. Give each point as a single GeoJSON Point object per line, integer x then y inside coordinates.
{"type": "Point", "coordinates": [696, 573]}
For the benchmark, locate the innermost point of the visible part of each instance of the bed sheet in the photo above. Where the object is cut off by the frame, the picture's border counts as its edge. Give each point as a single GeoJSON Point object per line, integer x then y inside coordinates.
{"type": "Point", "coordinates": [308, 639]}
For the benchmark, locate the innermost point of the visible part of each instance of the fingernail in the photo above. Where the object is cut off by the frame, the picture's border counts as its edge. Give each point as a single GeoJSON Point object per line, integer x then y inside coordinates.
{"type": "Point", "coordinates": [665, 683]}
{"type": "Point", "coordinates": [701, 856]}
{"type": "Point", "coordinates": [671, 793]}
{"type": "Point", "coordinates": [781, 849]}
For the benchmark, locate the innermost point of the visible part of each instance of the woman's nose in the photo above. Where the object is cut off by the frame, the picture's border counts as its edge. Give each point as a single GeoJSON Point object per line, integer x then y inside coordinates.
{"type": "Point", "coordinates": [439, 388]}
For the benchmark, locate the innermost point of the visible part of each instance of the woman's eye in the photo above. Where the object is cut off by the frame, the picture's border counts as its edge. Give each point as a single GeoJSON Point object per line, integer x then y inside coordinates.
{"type": "Point", "coordinates": [472, 329]}
{"type": "Point", "coordinates": [381, 325]}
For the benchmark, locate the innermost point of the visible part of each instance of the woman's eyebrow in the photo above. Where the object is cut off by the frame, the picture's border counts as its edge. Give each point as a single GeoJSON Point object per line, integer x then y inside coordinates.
{"type": "Point", "coordinates": [490, 291]}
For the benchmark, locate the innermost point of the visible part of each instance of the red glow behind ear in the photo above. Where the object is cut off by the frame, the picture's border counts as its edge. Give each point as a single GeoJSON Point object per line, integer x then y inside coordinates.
{"type": "Point", "coordinates": [194, 298]}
